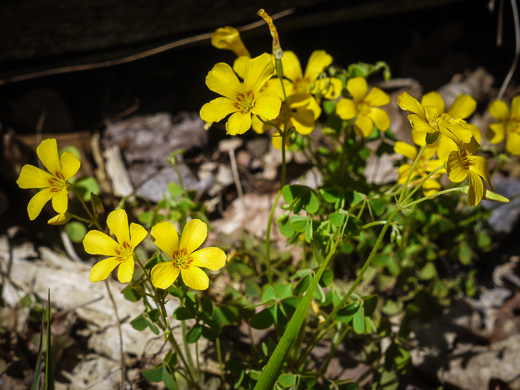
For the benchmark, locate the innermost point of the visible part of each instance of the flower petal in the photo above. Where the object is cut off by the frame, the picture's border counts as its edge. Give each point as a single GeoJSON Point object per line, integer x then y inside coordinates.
{"type": "Point", "coordinates": [496, 133]}
{"type": "Point", "coordinates": [222, 80]}
{"type": "Point", "coordinates": [346, 109]}
{"type": "Point", "coordinates": [476, 189]}
{"type": "Point", "coordinates": [455, 168]}
{"type": "Point", "coordinates": [165, 237]}
{"type": "Point", "coordinates": [499, 110]}
{"type": "Point", "coordinates": [137, 234]}
{"type": "Point", "coordinates": [377, 97]}
{"type": "Point", "coordinates": [33, 177]}
{"type": "Point", "coordinates": [406, 150]}
{"type": "Point", "coordinates": [291, 66]}
{"type": "Point", "coordinates": [258, 71]}
{"type": "Point", "coordinates": [98, 243]}
{"type": "Point", "coordinates": [193, 235]}
{"type": "Point", "coordinates": [434, 99]}
{"type": "Point", "coordinates": [431, 187]}
{"type": "Point", "coordinates": [409, 103]}
{"type": "Point", "coordinates": [515, 107]}
{"type": "Point", "coordinates": [480, 166]}
{"type": "Point", "coordinates": [420, 125]}
{"type": "Point", "coordinates": [238, 123]}
{"type": "Point", "coordinates": [195, 278]}
{"type": "Point", "coordinates": [69, 165]}
{"type": "Point", "coordinates": [117, 222]}
{"type": "Point", "coordinates": [60, 219]}
{"type": "Point", "coordinates": [102, 269]}
{"type": "Point", "coordinates": [239, 65]}
{"type": "Point", "coordinates": [463, 107]}
{"type": "Point", "coordinates": [125, 273]}
{"type": "Point", "coordinates": [60, 201]}
{"type": "Point", "coordinates": [364, 125]}
{"type": "Point", "coordinates": [513, 143]}
{"type": "Point", "coordinates": [446, 146]}
{"type": "Point", "coordinates": [217, 109]}
{"type": "Point", "coordinates": [38, 201]}
{"type": "Point", "coordinates": [48, 153]}
{"type": "Point", "coordinates": [164, 274]}
{"type": "Point", "coordinates": [318, 61]}
{"type": "Point", "coordinates": [228, 38]}
{"type": "Point", "coordinates": [357, 87]}
{"type": "Point", "coordinates": [380, 118]}
{"type": "Point", "coordinates": [267, 105]}
{"type": "Point", "coordinates": [212, 258]}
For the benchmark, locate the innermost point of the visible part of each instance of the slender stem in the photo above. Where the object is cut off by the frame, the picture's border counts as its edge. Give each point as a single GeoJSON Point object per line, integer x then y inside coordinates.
{"type": "Point", "coordinates": [220, 362]}
{"type": "Point", "coordinates": [118, 323]}
{"type": "Point", "coordinates": [401, 197]}
{"type": "Point", "coordinates": [433, 196]}
{"type": "Point", "coordinates": [268, 237]}
{"type": "Point", "coordinates": [92, 219]}
{"type": "Point", "coordinates": [422, 182]}
{"type": "Point", "coordinates": [333, 349]}
{"type": "Point", "coordinates": [187, 350]}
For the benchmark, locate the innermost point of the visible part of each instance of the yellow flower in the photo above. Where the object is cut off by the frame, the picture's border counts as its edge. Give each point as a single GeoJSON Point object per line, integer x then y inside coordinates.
{"type": "Point", "coordinates": [186, 258]}
{"type": "Point", "coordinates": [302, 115]}
{"type": "Point", "coordinates": [228, 38]}
{"type": "Point", "coordinates": [462, 164]}
{"type": "Point", "coordinates": [364, 107]}
{"type": "Point", "coordinates": [509, 123]}
{"type": "Point", "coordinates": [54, 184]}
{"type": "Point", "coordinates": [463, 106]}
{"type": "Point", "coordinates": [329, 87]}
{"type": "Point", "coordinates": [423, 167]}
{"type": "Point", "coordinates": [121, 252]}
{"type": "Point", "coordinates": [241, 99]}
{"type": "Point", "coordinates": [427, 119]}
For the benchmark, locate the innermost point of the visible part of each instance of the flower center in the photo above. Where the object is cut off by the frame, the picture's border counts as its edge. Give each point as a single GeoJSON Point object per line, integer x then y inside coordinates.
{"type": "Point", "coordinates": [512, 126]}
{"type": "Point", "coordinates": [245, 102]}
{"type": "Point", "coordinates": [124, 251]}
{"type": "Point", "coordinates": [466, 162]}
{"type": "Point", "coordinates": [364, 107]}
{"type": "Point", "coordinates": [181, 259]}
{"type": "Point", "coordinates": [302, 85]}
{"type": "Point", "coordinates": [57, 182]}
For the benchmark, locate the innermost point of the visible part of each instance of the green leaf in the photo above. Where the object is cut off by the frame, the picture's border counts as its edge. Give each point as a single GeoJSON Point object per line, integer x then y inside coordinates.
{"type": "Point", "coordinates": [207, 306]}
{"type": "Point", "coordinates": [378, 206]}
{"type": "Point", "coordinates": [287, 380]}
{"type": "Point", "coordinates": [183, 313]}
{"type": "Point", "coordinates": [86, 186]}
{"type": "Point", "coordinates": [428, 272]}
{"type": "Point", "coordinates": [131, 293]}
{"type": "Point", "coordinates": [298, 223]}
{"type": "Point", "coordinates": [327, 278]}
{"type": "Point", "coordinates": [346, 313]}
{"type": "Point", "coordinates": [76, 231]}
{"type": "Point", "coordinates": [175, 190]}
{"type": "Point", "coordinates": [337, 219]}
{"type": "Point", "coordinates": [370, 304]}
{"type": "Point", "coordinates": [289, 306]}
{"type": "Point", "coordinates": [334, 195]}
{"type": "Point", "coordinates": [97, 203]}
{"type": "Point", "coordinates": [303, 284]}
{"type": "Point", "coordinates": [301, 197]}
{"type": "Point", "coordinates": [168, 380]}
{"type": "Point", "coordinates": [226, 315]}
{"type": "Point", "coordinates": [154, 374]}
{"type": "Point", "coordinates": [262, 320]}
{"type": "Point", "coordinates": [358, 321]}
{"type": "Point", "coordinates": [194, 334]}
{"type": "Point", "coordinates": [396, 357]}
{"type": "Point", "coordinates": [268, 294]}
{"type": "Point", "coordinates": [282, 291]}
{"type": "Point", "coordinates": [170, 360]}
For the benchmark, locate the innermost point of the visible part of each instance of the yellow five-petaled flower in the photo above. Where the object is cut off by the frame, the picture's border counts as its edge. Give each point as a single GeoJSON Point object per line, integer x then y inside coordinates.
{"type": "Point", "coordinates": [241, 99]}
{"type": "Point", "coordinates": [509, 124]}
{"type": "Point", "coordinates": [121, 252]}
{"type": "Point", "coordinates": [187, 260]}
{"type": "Point", "coordinates": [54, 184]}
{"type": "Point", "coordinates": [364, 107]}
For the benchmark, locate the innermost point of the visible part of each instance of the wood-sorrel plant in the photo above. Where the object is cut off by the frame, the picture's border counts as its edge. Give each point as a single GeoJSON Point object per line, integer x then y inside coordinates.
{"type": "Point", "coordinates": [356, 237]}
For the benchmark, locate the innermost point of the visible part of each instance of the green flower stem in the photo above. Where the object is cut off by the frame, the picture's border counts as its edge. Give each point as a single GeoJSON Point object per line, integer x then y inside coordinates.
{"type": "Point", "coordinates": [187, 347]}
{"type": "Point", "coordinates": [92, 219]}
{"type": "Point", "coordinates": [376, 223]}
{"type": "Point", "coordinates": [335, 344]}
{"type": "Point", "coordinates": [434, 196]}
{"type": "Point", "coordinates": [402, 197]}
{"type": "Point", "coordinates": [272, 369]}
{"type": "Point", "coordinates": [220, 362]}
{"type": "Point", "coordinates": [169, 335]}
{"type": "Point", "coordinates": [422, 182]}
{"type": "Point", "coordinates": [268, 237]}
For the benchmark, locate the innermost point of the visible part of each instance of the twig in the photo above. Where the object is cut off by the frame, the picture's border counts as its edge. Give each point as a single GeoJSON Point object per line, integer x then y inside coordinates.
{"type": "Point", "coordinates": [133, 57]}
{"type": "Point", "coordinates": [517, 51]}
